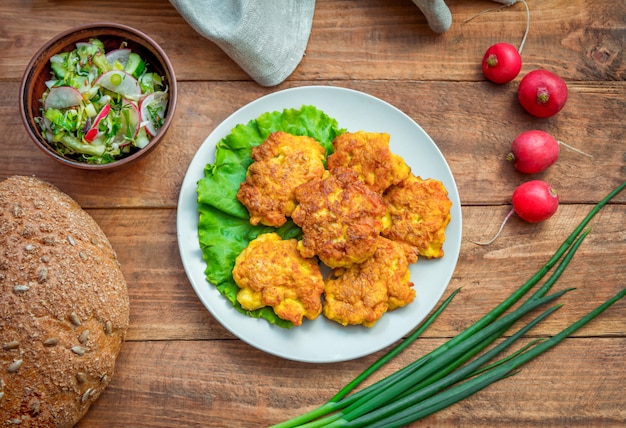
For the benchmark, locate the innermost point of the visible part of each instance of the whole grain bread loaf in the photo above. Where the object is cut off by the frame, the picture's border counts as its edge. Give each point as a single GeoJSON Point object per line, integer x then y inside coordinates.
{"type": "Point", "coordinates": [63, 306]}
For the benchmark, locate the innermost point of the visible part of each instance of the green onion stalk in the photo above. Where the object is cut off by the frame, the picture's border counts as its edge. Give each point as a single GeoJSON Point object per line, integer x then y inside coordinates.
{"type": "Point", "coordinates": [452, 371]}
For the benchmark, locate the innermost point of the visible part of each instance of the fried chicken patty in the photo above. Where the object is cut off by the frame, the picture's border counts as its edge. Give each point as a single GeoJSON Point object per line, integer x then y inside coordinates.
{"type": "Point", "coordinates": [271, 272]}
{"type": "Point", "coordinates": [281, 163]}
{"type": "Point", "coordinates": [368, 154]}
{"type": "Point", "coordinates": [418, 212]}
{"type": "Point", "coordinates": [362, 293]}
{"type": "Point", "coordinates": [340, 218]}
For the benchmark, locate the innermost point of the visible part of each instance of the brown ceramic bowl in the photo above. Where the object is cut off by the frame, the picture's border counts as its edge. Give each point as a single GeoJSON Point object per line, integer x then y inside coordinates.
{"type": "Point", "coordinates": [112, 35]}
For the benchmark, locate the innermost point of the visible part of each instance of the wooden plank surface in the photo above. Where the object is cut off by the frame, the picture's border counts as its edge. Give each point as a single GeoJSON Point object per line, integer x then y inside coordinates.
{"type": "Point", "coordinates": [180, 367]}
{"type": "Point", "coordinates": [488, 114]}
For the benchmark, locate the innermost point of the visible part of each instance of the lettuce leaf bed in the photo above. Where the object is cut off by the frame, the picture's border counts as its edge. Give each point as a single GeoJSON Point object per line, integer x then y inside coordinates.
{"type": "Point", "coordinates": [224, 228]}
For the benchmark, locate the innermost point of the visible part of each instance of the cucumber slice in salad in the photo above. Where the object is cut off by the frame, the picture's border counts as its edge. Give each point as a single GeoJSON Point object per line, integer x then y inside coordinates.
{"type": "Point", "coordinates": [58, 63]}
{"type": "Point", "coordinates": [124, 59]}
{"type": "Point", "coordinates": [135, 65]}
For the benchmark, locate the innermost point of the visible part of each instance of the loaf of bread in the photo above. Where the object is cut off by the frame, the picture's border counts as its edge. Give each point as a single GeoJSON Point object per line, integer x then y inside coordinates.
{"type": "Point", "coordinates": [63, 306]}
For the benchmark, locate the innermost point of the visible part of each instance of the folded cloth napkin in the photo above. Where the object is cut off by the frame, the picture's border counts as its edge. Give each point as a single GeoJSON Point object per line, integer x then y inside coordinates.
{"type": "Point", "coordinates": [267, 39]}
{"type": "Point", "coordinates": [438, 15]}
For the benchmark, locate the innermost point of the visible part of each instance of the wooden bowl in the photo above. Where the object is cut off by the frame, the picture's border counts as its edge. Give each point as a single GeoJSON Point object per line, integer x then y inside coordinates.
{"type": "Point", "coordinates": [112, 35]}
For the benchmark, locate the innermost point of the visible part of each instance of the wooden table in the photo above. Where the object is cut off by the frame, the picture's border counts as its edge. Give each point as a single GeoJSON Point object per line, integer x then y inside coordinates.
{"type": "Point", "coordinates": [180, 367]}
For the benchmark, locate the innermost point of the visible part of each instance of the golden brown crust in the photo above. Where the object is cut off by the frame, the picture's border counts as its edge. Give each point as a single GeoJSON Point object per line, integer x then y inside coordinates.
{"type": "Point", "coordinates": [340, 218]}
{"type": "Point", "coordinates": [368, 154]}
{"type": "Point", "coordinates": [271, 272]}
{"type": "Point", "coordinates": [418, 213]}
{"type": "Point", "coordinates": [64, 307]}
{"type": "Point", "coordinates": [362, 293]}
{"type": "Point", "coordinates": [367, 217]}
{"type": "Point", "coordinates": [281, 164]}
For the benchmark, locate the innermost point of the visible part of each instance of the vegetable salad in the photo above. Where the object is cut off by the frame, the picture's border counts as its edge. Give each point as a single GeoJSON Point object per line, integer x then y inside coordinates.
{"type": "Point", "coordinates": [101, 106]}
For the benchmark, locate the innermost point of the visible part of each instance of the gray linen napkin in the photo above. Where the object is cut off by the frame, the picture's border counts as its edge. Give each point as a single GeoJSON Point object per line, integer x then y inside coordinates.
{"type": "Point", "coordinates": [265, 38]}
{"type": "Point", "coordinates": [438, 15]}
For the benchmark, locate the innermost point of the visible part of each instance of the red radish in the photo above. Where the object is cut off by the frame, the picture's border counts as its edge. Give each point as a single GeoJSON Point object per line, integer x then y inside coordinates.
{"type": "Point", "coordinates": [533, 151]}
{"type": "Point", "coordinates": [534, 201]}
{"type": "Point", "coordinates": [61, 97]}
{"type": "Point", "coordinates": [93, 131]}
{"type": "Point", "coordinates": [542, 93]}
{"type": "Point", "coordinates": [91, 135]}
{"type": "Point", "coordinates": [502, 63]}
{"type": "Point", "coordinates": [119, 55]}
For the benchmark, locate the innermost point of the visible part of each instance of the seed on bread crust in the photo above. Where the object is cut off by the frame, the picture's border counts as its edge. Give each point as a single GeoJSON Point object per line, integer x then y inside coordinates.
{"type": "Point", "coordinates": [42, 276]}
{"type": "Point", "coordinates": [75, 319]}
{"type": "Point", "coordinates": [15, 366]}
{"type": "Point", "coordinates": [51, 341]}
{"type": "Point", "coordinates": [78, 350]}
{"type": "Point", "coordinates": [14, 344]}
{"type": "Point", "coordinates": [84, 337]}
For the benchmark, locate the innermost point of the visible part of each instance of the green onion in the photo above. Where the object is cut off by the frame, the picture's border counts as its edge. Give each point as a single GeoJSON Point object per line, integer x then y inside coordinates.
{"type": "Point", "coordinates": [474, 385]}
{"type": "Point", "coordinates": [396, 350]}
{"type": "Point", "coordinates": [331, 405]}
{"type": "Point", "coordinates": [444, 376]}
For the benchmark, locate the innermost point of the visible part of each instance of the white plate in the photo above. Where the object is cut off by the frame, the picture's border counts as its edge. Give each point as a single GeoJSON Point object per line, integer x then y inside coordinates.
{"type": "Point", "coordinates": [323, 341]}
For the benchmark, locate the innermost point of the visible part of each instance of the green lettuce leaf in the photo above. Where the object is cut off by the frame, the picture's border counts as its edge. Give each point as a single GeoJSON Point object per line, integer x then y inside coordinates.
{"type": "Point", "coordinates": [224, 228]}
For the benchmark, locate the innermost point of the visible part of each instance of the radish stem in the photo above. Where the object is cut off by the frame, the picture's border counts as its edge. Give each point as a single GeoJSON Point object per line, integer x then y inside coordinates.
{"type": "Point", "coordinates": [521, 46]}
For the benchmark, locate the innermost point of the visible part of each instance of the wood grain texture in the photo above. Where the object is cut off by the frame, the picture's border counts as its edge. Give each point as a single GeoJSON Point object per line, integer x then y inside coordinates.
{"type": "Point", "coordinates": [181, 367]}
{"type": "Point", "coordinates": [366, 40]}
{"type": "Point", "coordinates": [475, 144]}
{"type": "Point", "coordinates": [208, 384]}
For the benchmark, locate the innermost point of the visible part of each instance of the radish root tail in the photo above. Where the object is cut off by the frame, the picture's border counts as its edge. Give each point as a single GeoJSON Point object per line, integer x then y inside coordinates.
{"type": "Point", "coordinates": [574, 149]}
{"type": "Point", "coordinates": [521, 46]}
{"type": "Point", "coordinates": [508, 216]}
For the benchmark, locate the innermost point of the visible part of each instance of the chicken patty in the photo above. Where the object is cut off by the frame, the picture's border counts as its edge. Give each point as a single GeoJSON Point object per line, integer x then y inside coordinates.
{"type": "Point", "coordinates": [368, 154]}
{"type": "Point", "coordinates": [281, 163]}
{"type": "Point", "coordinates": [271, 272]}
{"type": "Point", "coordinates": [418, 214]}
{"type": "Point", "coordinates": [340, 218]}
{"type": "Point", "coordinates": [362, 293]}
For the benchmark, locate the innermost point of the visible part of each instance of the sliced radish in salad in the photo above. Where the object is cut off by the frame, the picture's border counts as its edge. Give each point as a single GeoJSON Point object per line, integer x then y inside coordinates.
{"type": "Point", "coordinates": [152, 109]}
{"type": "Point", "coordinates": [118, 55]}
{"type": "Point", "coordinates": [93, 131]}
{"type": "Point", "coordinates": [61, 97]}
{"type": "Point", "coordinates": [121, 83]}
{"type": "Point", "coordinates": [91, 135]}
